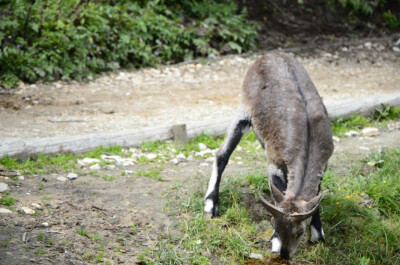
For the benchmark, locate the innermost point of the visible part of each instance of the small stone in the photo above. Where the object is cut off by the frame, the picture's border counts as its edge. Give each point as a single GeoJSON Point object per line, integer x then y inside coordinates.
{"type": "Point", "coordinates": [26, 210]}
{"type": "Point", "coordinates": [72, 176]}
{"type": "Point", "coordinates": [4, 210]}
{"type": "Point", "coordinates": [204, 164]}
{"type": "Point", "coordinates": [129, 172]}
{"type": "Point", "coordinates": [174, 161]}
{"type": "Point", "coordinates": [336, 139]}
{"type": "Point", "coordinates": [396, 49]}
{"type": "Point", "coordinates": [3, 187]}
{"type": "Point", "coordinates": [368, 45]}
{"type": "Point", "coordinates": [199, 242]}
{"type": "Point", "coordinates": [371, 163]}
{"type": "Point", "coordinates": [128, 162]}
{"type": "Point", "coordinates": [397, 42]}
{"type": "Point", "coordinates": [352, 134]}
{"type": "Point", "coordinates": [36, 206]}
{"type": "Point", "coordinates": [150, 156]}
{"type": "Point", "coordinates": [363, 148]}
{"type": "Point", "coordinates": [95, 167]}
{"type": "Point", "coordinates": [62, 179]}
{"type": "Point", "coordinates": [111, 166]}
{"type": "Point", "coordinates": [181, 156]}
{"type": "Point", "coordinates": [256, 256]}
{"type": "Point", "coordinates": [21, 178]}
{"type": "Point", "coordinates": [88, 160]}
{"type": "Point", "coordinates": [370, 131]}
{"type": "Point", "coordinates": [45, 224]}
{"type": "Point", "coordinates": [202, 146]}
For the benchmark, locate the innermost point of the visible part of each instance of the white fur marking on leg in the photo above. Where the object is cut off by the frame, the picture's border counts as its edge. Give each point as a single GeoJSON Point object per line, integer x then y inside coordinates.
{"type": "Point", "coordinates": [276, 245]}
{"type": "Point", "coordinates": [213, 179]}
{"type": "Point", "coordinates": [314, 234]}
{"type": "Point", "coordinates": [208, 206]}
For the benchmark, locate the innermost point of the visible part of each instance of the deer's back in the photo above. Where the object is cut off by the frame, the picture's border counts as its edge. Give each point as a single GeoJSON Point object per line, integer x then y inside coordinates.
{"type": "Point", "coordinates": [287, 112]}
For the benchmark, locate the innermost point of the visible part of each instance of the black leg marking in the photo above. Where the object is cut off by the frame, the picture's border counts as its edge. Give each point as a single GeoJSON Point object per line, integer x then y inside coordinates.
{"type": "Point", "coordinates": [317, 233]}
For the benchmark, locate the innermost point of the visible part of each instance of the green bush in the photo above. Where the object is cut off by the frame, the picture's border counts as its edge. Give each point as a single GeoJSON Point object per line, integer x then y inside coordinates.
{"type": "Point", "coordinates": [48, 40]}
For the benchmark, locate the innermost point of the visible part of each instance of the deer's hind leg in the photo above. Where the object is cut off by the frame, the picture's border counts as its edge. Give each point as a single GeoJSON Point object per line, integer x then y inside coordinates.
{"type": "Point", "coordinates": [240, 125]}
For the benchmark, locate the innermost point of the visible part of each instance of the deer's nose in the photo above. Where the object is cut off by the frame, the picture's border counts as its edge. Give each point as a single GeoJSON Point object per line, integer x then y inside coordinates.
{"type": "Point", "coordinates": [284, 253]}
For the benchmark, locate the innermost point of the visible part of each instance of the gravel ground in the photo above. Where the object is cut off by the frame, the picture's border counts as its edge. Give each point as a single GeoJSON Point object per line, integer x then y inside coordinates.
{"type": "Point", "coordinates": [197, 91]}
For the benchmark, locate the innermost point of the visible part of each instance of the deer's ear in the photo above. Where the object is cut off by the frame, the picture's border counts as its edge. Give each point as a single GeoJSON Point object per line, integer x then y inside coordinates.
{"type": "Point", "coordinates": [275, 211]}
{"type": "Point", "coordinates": [311, 207]}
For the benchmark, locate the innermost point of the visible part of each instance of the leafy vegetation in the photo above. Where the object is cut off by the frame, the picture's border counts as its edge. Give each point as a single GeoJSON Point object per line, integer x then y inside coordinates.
{"type": "Point", "coordinates": [49, 40]}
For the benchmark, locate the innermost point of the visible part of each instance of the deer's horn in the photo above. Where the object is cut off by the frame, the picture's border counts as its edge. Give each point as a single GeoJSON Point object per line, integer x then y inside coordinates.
{"type": "Point", "coordinates": [275, 211]}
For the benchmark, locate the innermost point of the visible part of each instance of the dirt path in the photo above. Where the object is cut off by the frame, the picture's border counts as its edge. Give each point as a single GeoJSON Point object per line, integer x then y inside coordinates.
{"type": "Point", "coordinates": [124, 216]}
{"type": "Point", "coordinates": [185, 93]}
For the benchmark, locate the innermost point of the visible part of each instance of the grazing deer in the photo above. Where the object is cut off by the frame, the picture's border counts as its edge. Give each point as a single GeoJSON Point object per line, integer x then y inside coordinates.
{"type": "Point", "coordinates": [280, 102]}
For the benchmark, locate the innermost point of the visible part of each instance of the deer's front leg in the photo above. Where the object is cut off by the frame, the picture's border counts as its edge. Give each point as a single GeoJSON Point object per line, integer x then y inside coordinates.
{"type": "Point", "coordinates": [239, 126]}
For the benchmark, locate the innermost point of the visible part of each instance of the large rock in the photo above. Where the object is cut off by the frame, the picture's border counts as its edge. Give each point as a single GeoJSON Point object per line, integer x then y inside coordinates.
{"type": "Point", "coordinates": [3, 187]}
{"type": "Point", "coordinates": [370, 131]}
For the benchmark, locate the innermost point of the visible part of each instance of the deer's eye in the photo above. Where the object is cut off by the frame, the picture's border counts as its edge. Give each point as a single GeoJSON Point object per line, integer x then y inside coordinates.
{"type": "Point", "coordinates": [300, 234]}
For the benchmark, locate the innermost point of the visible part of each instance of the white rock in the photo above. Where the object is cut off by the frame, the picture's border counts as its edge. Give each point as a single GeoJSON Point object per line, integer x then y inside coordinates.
{"type": "Point", "coordinates": [256, 256]}
{"type": "Point", "coordinates": [72, 176]}
{"type": "Point", "coordinates": [174, 161]}
{"type": "Point", "coordinates": [4, 210]}
{"type": "Point", "coordinates": [202, 146]}
{"type": "Point", "coordinates": [336, 139]}
{"type": "Point", "coordinates": [27, 210]}
{"type": "Point", "coordinates": [199, 242]}
{"type": "Point", "coordinates": [3, 187]}
{"type": "Point", "coordinates": [396, 49]}
{"type": "Point", "coordinates": [95, 167]}
{"type": "Point", "coordinates": [111, 166]}
{"type": "Point", "coordinates": [204, 164]}
{"type": "Point", "coordinates": [36, 206]}
{"type": "Point", "coordinates": [21, 177]}
{"type": "Point", "coordinates": [352, 134]}
{"type": "Point", "coordinates": [62, 179]}
{"type": "Point", "coordinates": [368, 45]}
{"type": "Point", "coordinates": [150, 156]}
{"type": "Point", "coordinates": [181, 156]}
{"type": "Point", "coordinates": [88, 160]}
{"type": "Point", "coordinates": [45, 224]}
{"type": "Point", "coordinates": [128, 162]}
{"type": "Point", "coordinates": [81, 163]}
{"type": "Point", "coordinates": [129, 172]}
{"type": "Point", "coordinates": [363, 148]}
{"type": "Point", "coordinates": [397, 42]}
{"type": "Point", "coordinates": [370, 131]}
{"type": "Point", "coordinates": [190, 158]}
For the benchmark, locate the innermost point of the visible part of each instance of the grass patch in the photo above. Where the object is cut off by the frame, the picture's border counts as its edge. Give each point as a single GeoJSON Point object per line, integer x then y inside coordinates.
{"type": "Point", "coordinates": [356, 122]}
{"type": "Point", "coordinates": [8, 201]}
{"type": "Point", "coordinates": [108, 178]}
{"type": "Point", "coordinates": [379, 118]}
{"type": "Point", "coordinates": [82, 232]}
{"type": "Point", "coordinates": [151, 173]}
{"type": "Point", "coordinates": [42, 164]}
{"type": "Point", "coordinates": [113, 149]}
{"type": "Point", "coordinates": [360, 217]}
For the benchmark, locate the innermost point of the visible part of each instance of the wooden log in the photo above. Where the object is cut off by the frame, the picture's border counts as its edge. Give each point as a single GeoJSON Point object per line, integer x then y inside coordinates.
{"type": "Point", "coordinates": [22, 148]}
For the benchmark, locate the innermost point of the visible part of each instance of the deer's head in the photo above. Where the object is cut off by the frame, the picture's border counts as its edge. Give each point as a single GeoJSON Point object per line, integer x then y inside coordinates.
{"type": "Point", "coordinates": [290, 218]}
